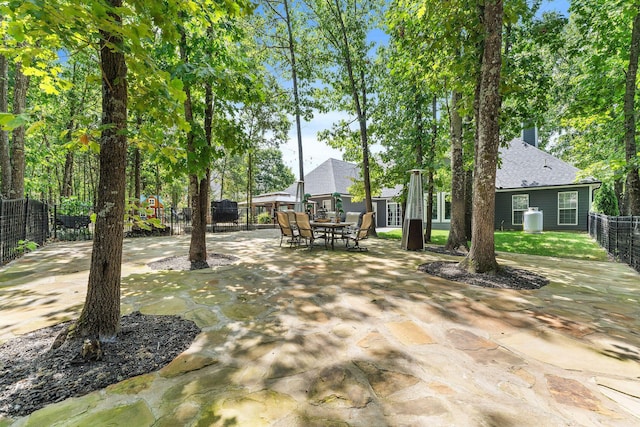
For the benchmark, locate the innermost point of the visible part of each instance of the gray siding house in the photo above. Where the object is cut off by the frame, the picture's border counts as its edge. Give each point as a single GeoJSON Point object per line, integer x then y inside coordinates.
{"type": "Point", "coordinates": [529, 177]}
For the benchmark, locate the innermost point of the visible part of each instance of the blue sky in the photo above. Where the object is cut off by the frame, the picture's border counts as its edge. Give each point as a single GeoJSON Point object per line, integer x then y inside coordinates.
{"type": "Point", "coordinates": [557, 5]}
{"type": "Point", "coordinates": [315, 152]}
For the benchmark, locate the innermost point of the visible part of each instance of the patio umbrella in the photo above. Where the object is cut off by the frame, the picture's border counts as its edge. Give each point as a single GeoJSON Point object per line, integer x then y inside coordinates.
{"type": "Point", "coordinates": [414, 215]}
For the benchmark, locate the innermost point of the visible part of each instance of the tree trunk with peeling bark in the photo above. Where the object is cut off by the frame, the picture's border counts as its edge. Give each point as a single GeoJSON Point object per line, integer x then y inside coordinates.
{"type": "Point", "coordinates": [100, 317]}
{"type": "Point", "coordinates": [5, 158]}
{"type": "Point", "coordinates": [198, 186]}
{"type": "Point", "coordinates": [482, 257]}
{"type": "Point", "coordinates": [631, 153]}
{"type": "Point", "coordinates": [20, 87]}
{"type": "Point", "coordinates": [457, 236]}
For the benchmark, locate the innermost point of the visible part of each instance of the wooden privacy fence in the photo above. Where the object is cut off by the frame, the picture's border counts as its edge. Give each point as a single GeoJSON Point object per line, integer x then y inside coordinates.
{"type": "Point", "coordinates": [619, 235]}
{"type": "Point", "coordinates": [21, 221]}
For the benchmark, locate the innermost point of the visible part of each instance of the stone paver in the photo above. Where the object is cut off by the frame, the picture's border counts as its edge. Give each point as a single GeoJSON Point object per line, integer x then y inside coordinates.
{"type": "Point", "coordinates": [334, 338]}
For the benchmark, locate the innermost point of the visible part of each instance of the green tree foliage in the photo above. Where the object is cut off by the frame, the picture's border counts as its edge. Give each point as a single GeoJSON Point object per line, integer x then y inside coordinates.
{"type": "Point", "coordinates": [341, 28]}
{"type": "Point", "coordinates": [283, 31]}
{"type": "Point", "coordinates": [605, 200]}
{"type": "Point", "coordinates": [591, 88]}
{"type": "Point", "coordinates": [271, 173]}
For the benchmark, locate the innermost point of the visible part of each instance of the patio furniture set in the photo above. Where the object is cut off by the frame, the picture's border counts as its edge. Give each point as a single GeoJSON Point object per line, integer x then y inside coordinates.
{"type": "Point", "coordinates": [296, 228]}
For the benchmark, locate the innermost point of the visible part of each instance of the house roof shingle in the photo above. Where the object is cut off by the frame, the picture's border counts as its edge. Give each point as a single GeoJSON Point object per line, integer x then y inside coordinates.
{"type": "Point", "coordinates": [523, 166]}
{"type": "Point", "coordinates": [329, 177]}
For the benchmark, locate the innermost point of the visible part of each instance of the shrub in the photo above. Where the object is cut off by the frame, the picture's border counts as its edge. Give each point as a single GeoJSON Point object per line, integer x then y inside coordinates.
{"type": "Point", "coordinates": [264, 218]}
{"type": "Point", "coordinates": [605, 200]}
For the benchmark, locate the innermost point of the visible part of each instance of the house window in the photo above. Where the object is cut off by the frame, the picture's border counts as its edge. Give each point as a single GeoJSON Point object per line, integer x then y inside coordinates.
{"type": "Point", "coordinates": [394, 215]}
{"type": "Point", "coordinates": [446, 206]}
{"type": "Point", "coordinates": [327, 205]}
{"type": "Point", "coordinates": [434, 207]}
{"type": "Point", "coordinates": [568, 208]}
{"type": "Point", "coordinates": [519, 205]}
{"type": "Point", "coordinates": [441, 208]}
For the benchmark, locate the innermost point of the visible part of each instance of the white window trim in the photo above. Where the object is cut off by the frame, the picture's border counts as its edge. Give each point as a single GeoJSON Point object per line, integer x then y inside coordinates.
{"type": "Point", "coordinates": [375, 212]}
{"type": "Point", "coordinates": [440, 208]}
{"type": "Point", "coordinates": [442, 203]}
{"type": "Point", "coordinates": [396, 210]}
{"type": "Point", "coordinates": [513, 221]}
{"type": "Point", "coordinates": [576, 208]}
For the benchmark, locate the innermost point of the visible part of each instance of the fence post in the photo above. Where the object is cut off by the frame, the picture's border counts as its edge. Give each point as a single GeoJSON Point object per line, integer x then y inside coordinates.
{"type": "Point", "coordinates": [25, 218]}
{"type": "Point", "coordinates": [55, 219]}
{"type": "Point", "coordinates": [2, 237]}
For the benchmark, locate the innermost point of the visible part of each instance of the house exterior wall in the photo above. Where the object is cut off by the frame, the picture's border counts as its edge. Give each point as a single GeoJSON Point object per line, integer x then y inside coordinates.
{"type": "Point", "coordinates": [546, 200]}
{"type": "Point", "coordinates": [380, 208]}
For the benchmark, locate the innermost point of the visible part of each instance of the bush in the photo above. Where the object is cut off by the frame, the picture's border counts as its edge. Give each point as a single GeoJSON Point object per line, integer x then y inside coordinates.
{"type": "Point", "coordinates": [264, 218]}
{"type": "Point", "coordinates": [73, 206]}
{"type": "Point", "coordinates": [605, 200]}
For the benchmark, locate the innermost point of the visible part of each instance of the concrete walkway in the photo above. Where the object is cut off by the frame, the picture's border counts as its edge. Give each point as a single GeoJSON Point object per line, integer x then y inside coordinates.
{"type": "Point", "coordinates": [333, 338]}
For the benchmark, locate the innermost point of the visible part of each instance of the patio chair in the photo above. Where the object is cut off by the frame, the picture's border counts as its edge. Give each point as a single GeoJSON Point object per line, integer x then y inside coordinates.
{"type": "Point", "coordinates": [292, 217]}
{"type": "Point", "coordinates": [351, 217]}
{"type": "Point", "coordinates": [306, 232]}
{"type": "Point", "coordinates": [286, 230]}
{"type": "Point", "coordinates": [360, 233]}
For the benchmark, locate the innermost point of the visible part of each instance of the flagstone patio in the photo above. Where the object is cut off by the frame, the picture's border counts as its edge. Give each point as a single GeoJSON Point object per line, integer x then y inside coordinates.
{"type": "Point", "coordinates": [334, 338]}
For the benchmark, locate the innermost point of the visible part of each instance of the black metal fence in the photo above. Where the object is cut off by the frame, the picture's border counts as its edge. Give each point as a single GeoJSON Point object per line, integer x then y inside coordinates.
{"type": "Point", "coordinates": [173, 223]}
{"type": "Point", "coordinates": [618, 235]}
{"type": "Point", "coordinates": [23, 222]}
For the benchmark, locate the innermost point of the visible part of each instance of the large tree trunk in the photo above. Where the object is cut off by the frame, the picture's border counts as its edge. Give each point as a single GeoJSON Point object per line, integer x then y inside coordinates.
{"type": "Point", "coordinates": [457, 236]}
{"type": "Point", "coordinates": [5, 158]}
{"type": "Point", "coordinates": [198, 245]}
{"type": "Point", "coordinates": [198, 194]}
{"type": "Point", "coordinates": [618, 188]}
{"type": "Point", "coordinates": [358, 89]}
{"type": "Point", "coordinates": [431, 168]}
{"type": "Point", "coordinates": [198, 188]}
{"type": "Point", "coordinates": [419, 147]}
{"type": "Point", "coordinates": [20, 87]}
{"type": "Point", "coordinates": [100, 317]}
{"type": "Point", "coordinates": [137, 181]}
{"type": "Point", "coordinates": [468, 203]}
{"type": "Point", "coordinates": [631, 154]}
{"type": "Point", "coordinates": [482, 257]}
{"type": "Point", "coordinates": [364, 140]}
{"type": "Point", "coordinates": [67, 177]}
{"type": "Point", "coordinates": [296, 96]}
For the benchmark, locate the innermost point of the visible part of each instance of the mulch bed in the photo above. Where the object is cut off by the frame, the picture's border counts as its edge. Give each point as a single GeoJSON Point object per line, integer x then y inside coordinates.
{"type": "Point", "coordinates": [506, 277]}
{"type": "Point", "coordinates": [182, 263]}
{"type": "Point", "coordinates": [33, 376]}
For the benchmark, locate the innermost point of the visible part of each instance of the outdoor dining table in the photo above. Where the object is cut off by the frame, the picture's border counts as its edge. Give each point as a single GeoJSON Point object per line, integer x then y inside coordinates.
{"type": "Point", "coordinates": [331, 228]}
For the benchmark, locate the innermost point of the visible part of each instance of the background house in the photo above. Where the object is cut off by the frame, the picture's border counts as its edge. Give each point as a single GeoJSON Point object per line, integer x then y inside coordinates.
{"type": "Point", "coordinates": [336, 176]}
{"type": "Point", "coordinates": [530, 177]}
{"type": "Point", "coordinates": [526, 177]}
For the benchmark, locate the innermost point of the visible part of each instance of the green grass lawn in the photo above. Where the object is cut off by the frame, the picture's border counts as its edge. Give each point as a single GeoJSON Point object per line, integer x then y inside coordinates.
{"type": "Point", "coordinates": [561, 244]}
